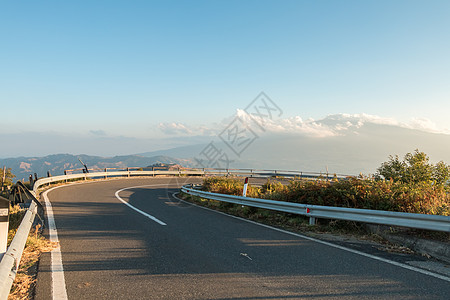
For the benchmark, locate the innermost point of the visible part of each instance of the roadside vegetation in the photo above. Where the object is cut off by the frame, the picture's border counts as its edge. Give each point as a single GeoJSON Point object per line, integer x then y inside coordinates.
{"type": "Point", "coordinates": [410, 185]}
{"type": "Point", "coordinates": [25, 282]}
{"type": "Point", "coordinates": [6, 177]}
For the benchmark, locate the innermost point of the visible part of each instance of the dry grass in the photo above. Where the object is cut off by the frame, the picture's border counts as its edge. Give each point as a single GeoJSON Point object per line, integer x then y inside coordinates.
{"type": "Point", "coordinates": [420, 198]}
{"type": "Point", "coordinates": [25, 282]}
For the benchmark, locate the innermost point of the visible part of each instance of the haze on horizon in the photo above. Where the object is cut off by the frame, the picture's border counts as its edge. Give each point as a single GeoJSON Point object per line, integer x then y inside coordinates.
{"type": "Point", "coordinates": [112, 78]}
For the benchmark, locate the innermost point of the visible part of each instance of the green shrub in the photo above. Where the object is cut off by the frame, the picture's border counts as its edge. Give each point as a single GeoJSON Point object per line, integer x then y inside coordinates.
{"type": "Point", "coordinates": [414, 168]}
{"type": "Point", "coordinates": [410, 185]}
{"type": "Point", "coordinates": [422, 197]}
{"type": "Point", "coordinates": [231, 186]}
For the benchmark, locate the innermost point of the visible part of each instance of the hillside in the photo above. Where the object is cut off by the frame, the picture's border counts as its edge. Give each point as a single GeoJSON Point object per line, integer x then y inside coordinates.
{"type": "Point", "coordinates": [345, 144]}
{"type": "Point", "coordinates": [22, 167]}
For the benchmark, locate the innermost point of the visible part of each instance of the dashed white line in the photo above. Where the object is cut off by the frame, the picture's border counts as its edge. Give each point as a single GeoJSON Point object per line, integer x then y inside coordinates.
{"type": "Point", "coordinates": [137, 209]}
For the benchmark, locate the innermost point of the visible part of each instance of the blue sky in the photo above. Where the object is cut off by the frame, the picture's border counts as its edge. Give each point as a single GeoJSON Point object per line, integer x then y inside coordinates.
{"type": "Point", "coordinates": [123, 67]}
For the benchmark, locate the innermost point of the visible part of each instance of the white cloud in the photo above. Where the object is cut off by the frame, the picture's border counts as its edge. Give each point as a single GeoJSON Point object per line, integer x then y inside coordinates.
{"type": "Point", "coordinates": [331, 125]}
{"type": "Point", "coordinates": [427, 125]}
{"type": "Point", "coordinates": [181, 129]}
{"type": "Point", "coordinates": [174, 128]}
{"type": "Point", "coordinates": [357, 120]}
{"type": "Point", "coordinates": [294, 125]}
{"type": "Point", "coordinates": [337, 124]}
{"type": "Point", "coordinates": [422, 124]}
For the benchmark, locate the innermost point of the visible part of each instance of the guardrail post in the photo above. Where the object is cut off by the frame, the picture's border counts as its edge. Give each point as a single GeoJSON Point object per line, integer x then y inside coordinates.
{"type": "Point", "coordinates": [106, 171]}
{"type": "Point", "coordinates": [244, 192]}
{"type": "Point", "coordinates": [312, 221]}
{"type": "Point", "coordinates": [3, 178]}
{"type": "Point", "coordinates": [11, 196]}
{"type": "Point", "coordinates": [128, 170]}
{"type": "Point", "coordinates": [4, 224]}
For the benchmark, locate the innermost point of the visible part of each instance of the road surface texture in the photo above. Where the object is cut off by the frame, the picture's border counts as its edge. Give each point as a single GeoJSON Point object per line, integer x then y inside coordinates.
{"type": "Point", "coordinates": [113, 251]}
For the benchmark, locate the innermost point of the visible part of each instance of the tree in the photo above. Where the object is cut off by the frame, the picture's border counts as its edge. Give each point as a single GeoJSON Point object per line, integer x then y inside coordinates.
{"type": "Point", "coordinates": [414, 168]}
{"type": "Point", "coordinates": [418, 167]}
{"type": "Point", "coordinates": [392, 169]}
{"type": "Point", "coordinates": [441, 173]}
{"type": "Point", "coordinates": [6, 177]}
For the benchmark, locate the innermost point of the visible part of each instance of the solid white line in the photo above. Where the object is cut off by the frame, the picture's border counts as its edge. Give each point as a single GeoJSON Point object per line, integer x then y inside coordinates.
{"type": "Point", "coordinates": [411, 268]}
{"type": "Point", "coordinates": [59, 291]}
{"type": "Point", "coordinates": [136, 209]}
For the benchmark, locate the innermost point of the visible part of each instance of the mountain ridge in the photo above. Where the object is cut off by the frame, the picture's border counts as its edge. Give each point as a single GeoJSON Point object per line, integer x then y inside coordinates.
{"type": "Point", "coordinates": [56, 164]}
{"type": "Point", "coordinates": [345, 144]}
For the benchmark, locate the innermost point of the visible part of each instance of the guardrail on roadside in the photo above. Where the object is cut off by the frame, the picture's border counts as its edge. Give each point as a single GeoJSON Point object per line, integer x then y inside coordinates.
{"type": "Point", "coordinates": [48, 180]}
{"type": "Point", "coordinates": [420, 221]}
{"type": "Point", "coordinates": [11, 259]}
{"type": "Point", "coordinates": [129, 172]}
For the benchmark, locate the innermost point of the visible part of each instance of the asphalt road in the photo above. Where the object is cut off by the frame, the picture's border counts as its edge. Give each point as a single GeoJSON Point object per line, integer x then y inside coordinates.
{"type": "Point", "coordinates": [111, 251]}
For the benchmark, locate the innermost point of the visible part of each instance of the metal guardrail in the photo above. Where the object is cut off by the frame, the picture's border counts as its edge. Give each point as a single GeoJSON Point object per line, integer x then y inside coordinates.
{"type": "Point", "coordinates": [11, 259]}
{"type": "Point", "coordinates": [190, 172]}
{"type": "Point", "coordinates": [274, 173]}
{"type": "Point", "coordinates": [49, 180]}
{"type": "Point", "coordinates": [421, 221]}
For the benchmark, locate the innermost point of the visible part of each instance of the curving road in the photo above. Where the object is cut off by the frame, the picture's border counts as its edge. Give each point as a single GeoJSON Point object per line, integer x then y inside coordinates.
{"type": "Point", "coordinates": [156, 247]}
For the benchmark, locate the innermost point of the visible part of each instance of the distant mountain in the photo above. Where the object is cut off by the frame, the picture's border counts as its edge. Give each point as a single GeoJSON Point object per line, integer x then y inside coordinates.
{"type": "Point", "coordinates": [345, 144]}
{"type": "Point", "coordinates": [22, 167]}
{"type": "Point", "coordinates": [179, 152]}
{"type": "Point", "coordinates": [164, 167]}
{"type": "Point", "coordinates": [359, 151]}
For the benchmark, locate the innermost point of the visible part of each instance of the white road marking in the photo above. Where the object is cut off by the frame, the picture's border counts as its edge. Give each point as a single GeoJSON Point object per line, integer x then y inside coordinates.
{"type": "Point", "coordinates": [59, 291]}
{"type": "Point", "coordinates": [401, 265]}
{"type": "Point", "coordinates": [136, 209]}
{"type": "Point", "coordinates": [246, 255]}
